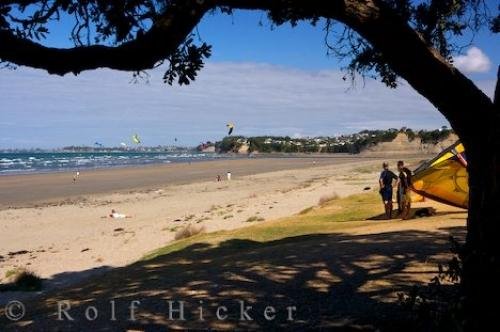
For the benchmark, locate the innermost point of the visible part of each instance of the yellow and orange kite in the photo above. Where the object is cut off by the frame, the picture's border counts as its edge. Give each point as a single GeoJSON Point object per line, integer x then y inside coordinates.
{"type": "Point", "coordinates": [444, 178]}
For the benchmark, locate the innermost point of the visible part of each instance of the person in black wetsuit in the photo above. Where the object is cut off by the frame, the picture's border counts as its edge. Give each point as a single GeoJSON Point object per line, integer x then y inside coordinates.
{"type": "Point", "coordinates": [387, 177]}
{"type": "Point", "coordinates": [404, 198]}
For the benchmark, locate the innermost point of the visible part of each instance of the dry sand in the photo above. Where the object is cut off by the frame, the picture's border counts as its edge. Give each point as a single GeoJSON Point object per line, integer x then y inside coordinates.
{"type": "Point", "coordinates": [67, 229]}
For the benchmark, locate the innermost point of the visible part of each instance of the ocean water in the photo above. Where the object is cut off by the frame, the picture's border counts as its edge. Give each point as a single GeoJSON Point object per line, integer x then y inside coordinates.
{"type": "Point", "coordinates": [44, 162]}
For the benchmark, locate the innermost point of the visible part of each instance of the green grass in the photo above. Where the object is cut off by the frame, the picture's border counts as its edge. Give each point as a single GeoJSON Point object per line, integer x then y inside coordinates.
{"type": "Point", "coordinates": [307, 210]}
{"type": "Point", "coordinates": [355, 207]}
{"type": "Point", "coordinates": [254, 218]}
{"type": "Point", "coordinates": [327, 218]}
{"type": "Point", "coordinates": [11, 273]}
{"type": "Point", "coordinates": [22, 280]}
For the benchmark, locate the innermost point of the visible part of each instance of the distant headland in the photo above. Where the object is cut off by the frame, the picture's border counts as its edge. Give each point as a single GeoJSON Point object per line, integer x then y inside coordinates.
{"type": "Point", "coordinates": [399, 141]}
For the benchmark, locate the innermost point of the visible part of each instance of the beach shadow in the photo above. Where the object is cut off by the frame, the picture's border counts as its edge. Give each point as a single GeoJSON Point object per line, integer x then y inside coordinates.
{"type": "Point", "coordinates": [334, 281]}
{"type": "Point", "coordinates": [58, 281]}
{"type": "Point", "coordinates": [382, 216]}
{"type": "Point", "coordinates": [418, 213]}
{"type": "Point", "coordinates": [447, 213]}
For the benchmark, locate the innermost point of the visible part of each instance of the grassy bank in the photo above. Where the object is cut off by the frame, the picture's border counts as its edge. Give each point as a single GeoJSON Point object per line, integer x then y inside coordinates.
{"type": "Point", "coordinates": [327, 217]}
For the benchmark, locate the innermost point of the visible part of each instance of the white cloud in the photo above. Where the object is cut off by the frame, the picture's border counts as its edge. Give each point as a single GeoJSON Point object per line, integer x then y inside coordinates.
{"type": "Point", "coordinates": [260, 99]}
{"type": "Point", "coordinates": [474, 61]}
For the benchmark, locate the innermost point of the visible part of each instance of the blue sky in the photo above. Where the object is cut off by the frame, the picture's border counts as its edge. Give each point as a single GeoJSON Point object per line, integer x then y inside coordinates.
{"type": "Point", "coordinates": [266, 80]}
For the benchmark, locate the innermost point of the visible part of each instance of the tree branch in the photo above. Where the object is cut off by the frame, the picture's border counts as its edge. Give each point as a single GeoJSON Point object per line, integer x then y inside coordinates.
{"type": "Point", "coordinates": [401, 47]}
{"type": "Point", "coordinates": [163, 38]}
{"type": "Point", "coordinates": [496, 98]}
{"type": "Point", "coordinates": [453, 94]}
{"type": "Point", "coordinates": [406, 52]}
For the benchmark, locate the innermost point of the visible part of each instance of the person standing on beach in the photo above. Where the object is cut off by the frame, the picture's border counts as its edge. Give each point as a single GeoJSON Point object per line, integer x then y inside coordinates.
{"type": "Point", "coordinates": [386, 180]}
{"type": "Point", "coordinates": [404, 199]}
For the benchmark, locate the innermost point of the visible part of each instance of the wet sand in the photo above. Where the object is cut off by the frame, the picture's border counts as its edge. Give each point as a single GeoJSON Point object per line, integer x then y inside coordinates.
{"type": "Point", "coordinates": [51, 188]}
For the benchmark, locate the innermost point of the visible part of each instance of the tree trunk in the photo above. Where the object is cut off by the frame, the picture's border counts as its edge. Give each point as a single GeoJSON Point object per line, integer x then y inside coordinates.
{"type": "Point", "coordinates": [481, 278]}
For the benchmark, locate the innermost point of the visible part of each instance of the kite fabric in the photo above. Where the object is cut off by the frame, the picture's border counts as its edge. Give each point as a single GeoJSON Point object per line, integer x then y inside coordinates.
{"type": "Point", "coordinates": [230, 126]}
{"type": "Point", "coordinates": [444, 178]}
{"type": "Point", "coordinates": [136, 139]}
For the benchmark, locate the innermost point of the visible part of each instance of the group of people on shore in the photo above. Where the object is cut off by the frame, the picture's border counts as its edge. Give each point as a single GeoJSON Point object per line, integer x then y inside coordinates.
{"type": "Point", "coordinates": [228, 176]}
{"type": "Point", "coordinates": [403, 183]}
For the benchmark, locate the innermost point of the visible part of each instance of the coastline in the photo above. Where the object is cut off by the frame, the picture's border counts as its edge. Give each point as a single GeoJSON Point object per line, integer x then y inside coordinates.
{"type": "Point", "coordinates": [49, 188]}
{"type": "Point", "coordinates": [31, 190]}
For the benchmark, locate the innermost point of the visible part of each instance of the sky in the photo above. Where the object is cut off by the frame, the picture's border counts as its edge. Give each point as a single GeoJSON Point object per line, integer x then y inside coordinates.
{"type": "Point", "coordinates": [267, 80]}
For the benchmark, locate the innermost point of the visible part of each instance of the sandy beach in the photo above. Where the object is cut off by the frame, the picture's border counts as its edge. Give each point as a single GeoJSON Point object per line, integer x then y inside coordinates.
{"type": "Point", "coordinates": [52, 188]}
{"type": "Point", "coordinates": [55, 227]}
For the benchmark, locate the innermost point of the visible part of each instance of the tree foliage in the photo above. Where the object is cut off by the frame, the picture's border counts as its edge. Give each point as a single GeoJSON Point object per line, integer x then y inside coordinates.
{"type": "Point", "coordinates": [437, 22]}
{"type": "Point", "coordinates": [115, 23]}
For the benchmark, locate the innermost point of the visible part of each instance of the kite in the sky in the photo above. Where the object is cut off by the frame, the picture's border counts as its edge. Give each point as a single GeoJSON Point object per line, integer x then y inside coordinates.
{"type": "Point", "coordinates": [230, 126]}
{"type": "Point", "coordinates": [444, 178]}
{"type": "Point", "coordinates": [136, 139]}
{"type": "Point", "coordinates": [123, 144]}
{"type": "Point", "coordinates": [98, 144]}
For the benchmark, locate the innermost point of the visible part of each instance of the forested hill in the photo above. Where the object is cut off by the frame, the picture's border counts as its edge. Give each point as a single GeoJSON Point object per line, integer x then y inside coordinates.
{"type": "Point", "coordinates": [366, 140]}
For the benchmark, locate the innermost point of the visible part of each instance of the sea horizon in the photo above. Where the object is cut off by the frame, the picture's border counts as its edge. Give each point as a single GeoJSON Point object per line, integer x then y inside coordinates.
{"type": "Point", "coordinates": [36, 162]}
